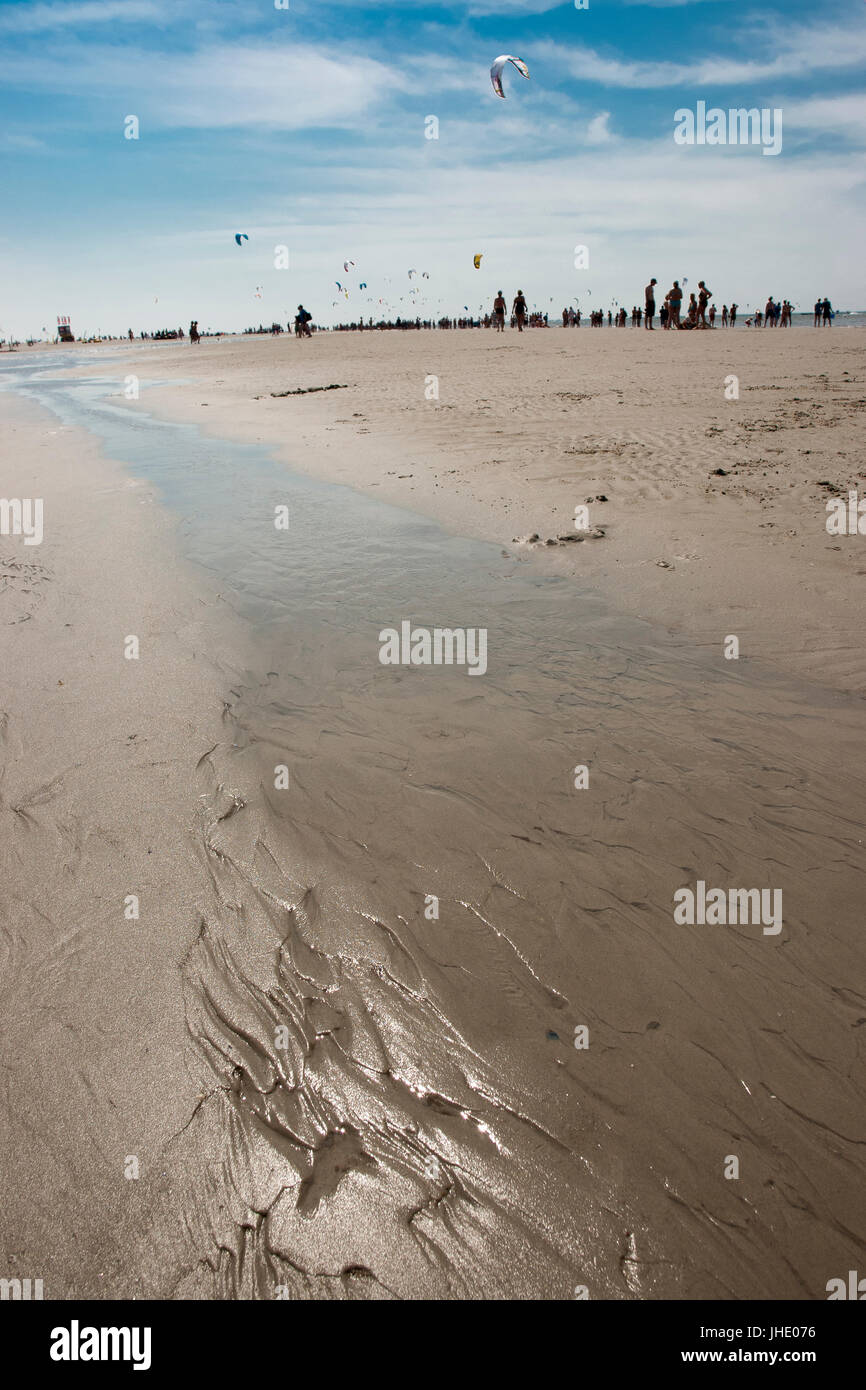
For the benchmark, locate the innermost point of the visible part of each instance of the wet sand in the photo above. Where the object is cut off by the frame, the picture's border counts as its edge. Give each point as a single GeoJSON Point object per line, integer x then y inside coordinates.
{"type": "Point", "coordinates": [425, 1125]}
{"type": "Point", "coordinates": [715, 510]}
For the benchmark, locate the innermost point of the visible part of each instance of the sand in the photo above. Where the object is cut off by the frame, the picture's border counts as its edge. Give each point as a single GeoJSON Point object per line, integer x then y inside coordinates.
{"type": "Point", "coordinates": [715, 513]}
{"type": "Point", "coordinates": [95, 804]}
{"type": "Point", "coordinates": [428, 1127]}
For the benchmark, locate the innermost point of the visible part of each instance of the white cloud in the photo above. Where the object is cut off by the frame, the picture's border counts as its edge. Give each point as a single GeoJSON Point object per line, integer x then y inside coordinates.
{"type": "Point", "coordinates": [272, 86]}
{"type": "Point", "coordinates": [598, 132]}
{"type": "Point", "coordinates": [797, 51]}
{"type": "Point", "coordinates": [844, 115]}
{"type": "Point", "coordinates": [34, 19]}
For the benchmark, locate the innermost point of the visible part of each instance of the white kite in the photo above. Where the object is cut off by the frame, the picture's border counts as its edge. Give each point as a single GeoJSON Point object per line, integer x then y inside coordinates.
{"type": "Point", "coordinates": [496, 71]}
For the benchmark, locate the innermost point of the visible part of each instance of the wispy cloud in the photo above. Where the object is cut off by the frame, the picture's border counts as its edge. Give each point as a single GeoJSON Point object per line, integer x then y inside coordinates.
{"type": "Point", "coordinates": [796, 51]}
{"type": "Point", "coordinates": [844, 115]}
{"type": "Point", "coordinates": [273, 86]}
{"type": "Point", "coordinates": [37, 19]}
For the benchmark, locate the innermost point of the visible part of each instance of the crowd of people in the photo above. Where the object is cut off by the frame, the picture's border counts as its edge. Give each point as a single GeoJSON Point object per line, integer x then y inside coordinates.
{"type": "Point", "coordinates": [698, 313]}
{"type": "Point", "coordinates": [670, 313]}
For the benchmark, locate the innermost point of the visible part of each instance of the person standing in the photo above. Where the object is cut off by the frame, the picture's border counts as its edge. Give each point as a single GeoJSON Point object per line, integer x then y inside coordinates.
{"type": "Point", "coordinates": [499, 312]}
{"type": "Point", "coordinates": [193, 331]}
{"type": "Point", "coordinates": [818, 308]}
{"type": "Point", "coordinates": [704, 296]}
{"type": "Point", "coordinates": [674, 300]}
{"type": "Point", "coordinates": [650, 302]}
{"type": "Point", "coordinates": [733, 315]}
{"type": "Point", "coordinates": [827, 312]}
{"type": "Point", "coordinates": [518, 309]}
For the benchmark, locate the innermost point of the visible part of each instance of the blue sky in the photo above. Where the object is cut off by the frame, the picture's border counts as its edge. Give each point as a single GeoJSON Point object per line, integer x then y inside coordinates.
{"type": "Point", "coordinates": [305, 127]}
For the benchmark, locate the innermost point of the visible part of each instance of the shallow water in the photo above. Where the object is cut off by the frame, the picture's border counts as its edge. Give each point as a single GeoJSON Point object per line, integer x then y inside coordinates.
{"type": "Point", "coordinates": [426, 1126]}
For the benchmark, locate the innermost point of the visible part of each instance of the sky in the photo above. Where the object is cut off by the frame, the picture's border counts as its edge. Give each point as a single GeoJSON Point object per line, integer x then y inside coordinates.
{"type": "Point", "coordinates": [306, 127]}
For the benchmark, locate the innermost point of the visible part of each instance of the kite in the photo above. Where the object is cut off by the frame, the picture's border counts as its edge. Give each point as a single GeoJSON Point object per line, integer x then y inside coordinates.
{"type": "Point", "coordinates": [425, 275]}
{"type": "Point", "coordinates": [363, 285]}
{"type": "Point", "coordinates": [411, 273]}
{"type": "Point", "coordinates": [241, 236]}
{"type": "Point", "coordinates": [476, 260]}
{"type": "Point", "coordinates": [346, 265]}
{"type": "Point", "coordinates": [339, 286]}
{"type": "Point", "coordinates": [258, 293]}
{"type": "Point", "coordinates": [496, 71]}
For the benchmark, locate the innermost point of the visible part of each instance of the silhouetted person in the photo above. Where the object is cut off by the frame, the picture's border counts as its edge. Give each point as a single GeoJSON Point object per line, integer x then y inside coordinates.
{"type": "Point", "coordinates": [704, 296]}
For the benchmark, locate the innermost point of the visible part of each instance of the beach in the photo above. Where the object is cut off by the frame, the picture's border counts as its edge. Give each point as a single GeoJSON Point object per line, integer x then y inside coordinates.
{"type": "Point", "coordinates": [715, 508]}
{"type": "Point", "coordinates": [406, 1011]}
